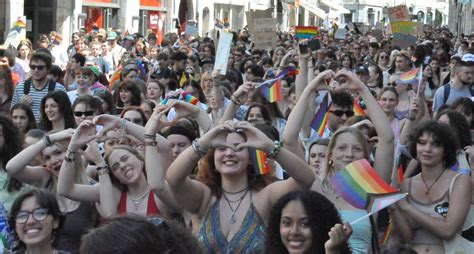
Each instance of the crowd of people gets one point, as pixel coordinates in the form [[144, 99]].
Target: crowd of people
[[118, 144]]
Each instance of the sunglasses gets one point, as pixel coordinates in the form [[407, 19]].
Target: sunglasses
[[85, 113], [37, 67], [383, 57], [339, 113], [39, 214]]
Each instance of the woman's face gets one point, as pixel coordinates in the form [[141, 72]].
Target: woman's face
[[434, 65], [401, 63], [346, 62], [373, 75], [317, 154], [20, 119], [153, 52], [153, 91], [126, 96], [229, 160], [134, 116], [113, 139], [178, 143], [132, 75], [125, 166], [428, 152], [279, 55], [388, 101], [383, 58], [207, 84], [255, 114], [347, 149], [139, 46], [24, 51], [295, 228], [83, 81], [146, 109], [53, 158], [82, 112], [51, 109], [39, 225]]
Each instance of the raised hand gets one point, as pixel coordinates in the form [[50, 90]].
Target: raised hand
[[109, 122], [255, 137], [84, 133], [415, 111], [62, 135], [92, 153], [244, 90], [352, 82], [157, 119], [321, 81], [216, 137], [182, 108], [338, 235]]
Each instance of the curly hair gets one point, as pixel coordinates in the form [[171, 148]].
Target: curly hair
[[12, 146], [442, 134], [64, 107], [113, 179], [208, 174], [460, 126], [322, 216]]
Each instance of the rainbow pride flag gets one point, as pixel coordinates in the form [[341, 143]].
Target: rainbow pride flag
[[306, 32], [18, 25], [410, 77], [358, 111], [187, 97], [359, 185], [320, 119], [57, 39], [258, 159], [272, 93]]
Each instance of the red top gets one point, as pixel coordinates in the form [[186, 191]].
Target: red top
[[151, 210]]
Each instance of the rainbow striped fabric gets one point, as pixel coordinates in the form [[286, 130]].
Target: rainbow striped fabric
[[306, 32], [358, 111], [273, 92], [185, 96], [18, 25], [410, 77], [359, 185], [258, 158], [320, 119]]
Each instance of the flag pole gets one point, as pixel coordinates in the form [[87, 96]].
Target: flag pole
[[361, 218], [419, 82]]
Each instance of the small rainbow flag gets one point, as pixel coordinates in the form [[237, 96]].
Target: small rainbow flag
[[271, 92], [359, 185], [182, 80], [187, 97], [386, 234], [57, 39], [409, 77], [115, 76], [258, 158], [400, 177], [18, 25], [306, 32], [358, 111], [320, 119]]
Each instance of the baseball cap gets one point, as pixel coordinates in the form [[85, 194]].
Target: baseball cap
[[362, 70], [468, 57], [111, 36]]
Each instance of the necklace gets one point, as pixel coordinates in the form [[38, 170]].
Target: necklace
[[137, 201], [236, 192], [426, 185], [234, 210]]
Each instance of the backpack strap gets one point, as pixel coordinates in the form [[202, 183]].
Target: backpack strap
[[447, 90], [27, 87]]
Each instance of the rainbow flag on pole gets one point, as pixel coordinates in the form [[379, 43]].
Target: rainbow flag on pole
[[184, 96], [273, 92], [258, 158], [358, 111], [359, 185], [410, 77], [320, 119], [306, 32]]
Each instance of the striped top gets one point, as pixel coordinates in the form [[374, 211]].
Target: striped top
[[35, 94]]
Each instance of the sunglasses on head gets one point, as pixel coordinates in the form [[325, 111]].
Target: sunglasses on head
[[339, 113], [37, 67], [85, 113]]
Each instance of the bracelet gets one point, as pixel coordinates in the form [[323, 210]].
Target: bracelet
[[149, 136], [70, 156], [235, 100], [123, 123], [47, 141], [197, 148], [151, 143], [102, 170], [275, 150]]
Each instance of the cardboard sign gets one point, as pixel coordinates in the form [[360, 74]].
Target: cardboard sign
[[398, 13], [222, 53], [403, 27], [340, 34], [403, 40], [191, 30], [263, 26]]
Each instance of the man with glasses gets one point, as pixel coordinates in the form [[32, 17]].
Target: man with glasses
[[340, 110], [34, 89]]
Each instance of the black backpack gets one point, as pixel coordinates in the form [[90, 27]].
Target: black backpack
[[27, 86], [447, 90]]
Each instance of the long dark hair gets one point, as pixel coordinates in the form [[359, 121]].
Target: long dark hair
[[29, 114], [65, 109], [322, 215], [44, 199], [133, 88], [11, 147]]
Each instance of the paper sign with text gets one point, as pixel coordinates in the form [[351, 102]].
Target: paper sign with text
[[398, 13], [222, 53]]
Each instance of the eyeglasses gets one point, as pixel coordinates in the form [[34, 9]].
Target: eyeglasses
[[339, 113], [85, 113], [39, 214], [37, 67], [356, 48], [383, 57]]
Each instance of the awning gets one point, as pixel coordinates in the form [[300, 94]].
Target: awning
[[313, 9], [337, 7]]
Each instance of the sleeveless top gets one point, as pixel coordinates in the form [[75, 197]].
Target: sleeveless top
[[76, 224], [151, 210], [249, 239], [437, 209], [360, 240]]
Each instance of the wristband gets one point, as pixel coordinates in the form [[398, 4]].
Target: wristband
[[47, 141], [102, 170], [275, 150], [235, 100], [70, 156], [197, 148], [151, 143]]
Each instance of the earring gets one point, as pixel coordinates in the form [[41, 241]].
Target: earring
[[331, 163]]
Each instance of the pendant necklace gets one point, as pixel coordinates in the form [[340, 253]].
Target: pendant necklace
[[239, 200], [426, 185], [137, 201]]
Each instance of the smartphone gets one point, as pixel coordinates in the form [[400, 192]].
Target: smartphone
[[303, 48]]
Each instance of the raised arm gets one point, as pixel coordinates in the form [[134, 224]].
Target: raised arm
[[39, 176], [240, 95], [385, 146]]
